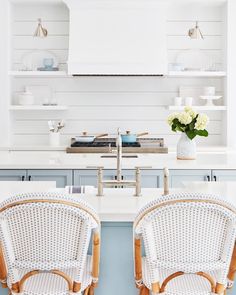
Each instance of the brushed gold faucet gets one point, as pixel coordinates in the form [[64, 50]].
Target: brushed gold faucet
[[119, 182]]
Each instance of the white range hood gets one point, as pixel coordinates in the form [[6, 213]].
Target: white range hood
[[117, 37]]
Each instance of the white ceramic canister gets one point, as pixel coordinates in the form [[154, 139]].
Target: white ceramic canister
[[54, 138], [188, 101], [26, 97], [178, 101]]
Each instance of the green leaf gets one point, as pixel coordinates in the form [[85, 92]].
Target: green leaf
[[191, 134], [202, 132]]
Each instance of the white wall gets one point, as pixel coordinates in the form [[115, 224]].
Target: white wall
[[101, 104], [4, 82]]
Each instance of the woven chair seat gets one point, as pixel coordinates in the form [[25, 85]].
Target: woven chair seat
[[51, 284], [188, 284]]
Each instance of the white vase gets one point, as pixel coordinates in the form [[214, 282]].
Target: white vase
[[186, 148]]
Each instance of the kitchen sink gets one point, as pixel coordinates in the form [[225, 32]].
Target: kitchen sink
[[123, 156]]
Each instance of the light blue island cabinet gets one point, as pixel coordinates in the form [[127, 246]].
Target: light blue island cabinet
[[116, 266], [149, 178]]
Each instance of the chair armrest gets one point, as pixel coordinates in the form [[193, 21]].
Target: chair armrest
[[138, 259], [138, 266], [3, 269], [96, 256]]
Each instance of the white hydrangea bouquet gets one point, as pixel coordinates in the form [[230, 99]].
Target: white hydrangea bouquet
[[189, 122]]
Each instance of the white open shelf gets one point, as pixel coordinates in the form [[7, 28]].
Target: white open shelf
[[39, 74], [197, 74], [37, 108], [199, 108], [64, 74]]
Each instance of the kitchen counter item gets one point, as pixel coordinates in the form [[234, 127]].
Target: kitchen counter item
[[131, 138], [107, 145], [88, 138], [54, 138], [209, 99], [33, 60], [26, 97]]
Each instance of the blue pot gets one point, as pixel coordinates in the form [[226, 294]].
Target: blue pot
[[131, 138]]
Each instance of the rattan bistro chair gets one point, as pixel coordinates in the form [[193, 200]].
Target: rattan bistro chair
[[44, 244], [189, 240]]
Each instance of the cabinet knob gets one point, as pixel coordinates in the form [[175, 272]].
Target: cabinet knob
[[29, 178], [215, 178], [22, 178]]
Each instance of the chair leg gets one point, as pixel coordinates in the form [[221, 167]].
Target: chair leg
[[144, 291], [232, 269], [86, 290], [220, 288], [91, 290]]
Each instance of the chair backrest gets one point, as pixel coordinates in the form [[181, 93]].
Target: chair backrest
[[46, 228], [187, 229]]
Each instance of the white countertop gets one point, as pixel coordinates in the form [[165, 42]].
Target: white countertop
[[61, 160], [119, 205]]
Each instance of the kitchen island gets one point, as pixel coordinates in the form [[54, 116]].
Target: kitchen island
[[117, 210], [80, 169]]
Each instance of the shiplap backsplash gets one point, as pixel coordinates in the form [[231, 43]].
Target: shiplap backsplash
[[101, 104]]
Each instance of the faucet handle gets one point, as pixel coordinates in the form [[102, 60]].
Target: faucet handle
[[166, 172], [166, 181]]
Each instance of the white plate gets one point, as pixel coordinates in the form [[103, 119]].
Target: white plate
[[210, 97], [195, 60], [33, 60]]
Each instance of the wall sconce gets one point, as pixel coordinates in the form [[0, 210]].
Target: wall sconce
[[40, 31], [195, 33]]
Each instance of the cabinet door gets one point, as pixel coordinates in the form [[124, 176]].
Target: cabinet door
[[224, 175], [62, 177], [12, 175], [178, 176], [149, 178], [89, 177]]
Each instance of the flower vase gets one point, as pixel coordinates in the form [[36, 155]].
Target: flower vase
[[186, 148]]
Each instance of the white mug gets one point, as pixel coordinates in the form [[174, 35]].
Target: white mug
[[178, 101], [188, 101]]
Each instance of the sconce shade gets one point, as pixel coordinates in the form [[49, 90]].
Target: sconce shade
[[40, 31], [195, 33]]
